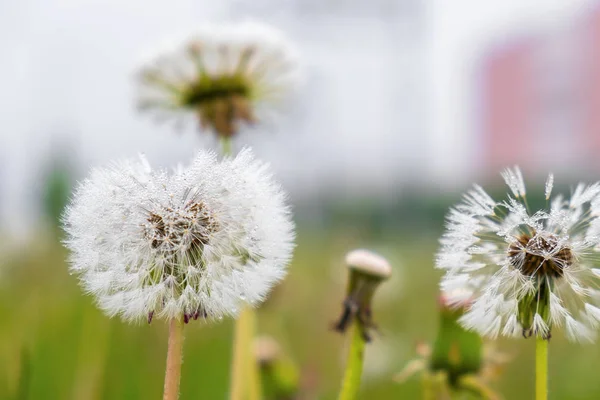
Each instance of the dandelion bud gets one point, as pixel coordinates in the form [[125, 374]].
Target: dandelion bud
[[266, 350], [279, 374], [366, 271], [458, 361], [456, 351]]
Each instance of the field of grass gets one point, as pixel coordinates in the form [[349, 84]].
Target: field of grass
[[54, 343]]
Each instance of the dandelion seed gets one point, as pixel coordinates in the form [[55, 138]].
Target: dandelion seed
[[528, 271], [514, 180], [549, 186], [197, 243], [224, 75]]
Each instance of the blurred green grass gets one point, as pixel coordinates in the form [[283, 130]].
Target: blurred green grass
[[52, 334]]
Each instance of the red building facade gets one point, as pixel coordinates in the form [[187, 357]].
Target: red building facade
[[540, 99]]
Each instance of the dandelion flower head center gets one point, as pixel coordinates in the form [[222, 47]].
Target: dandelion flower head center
[[187, 229], [210, 87], [179, 236], [221, 99], [540, 256]]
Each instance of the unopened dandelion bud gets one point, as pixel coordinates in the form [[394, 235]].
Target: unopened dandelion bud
[[456, 351], [458, 362], [279, 374], [456, 301], [266, 350], [366, 271]]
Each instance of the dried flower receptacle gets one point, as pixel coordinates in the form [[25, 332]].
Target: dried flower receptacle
[[367, 271]]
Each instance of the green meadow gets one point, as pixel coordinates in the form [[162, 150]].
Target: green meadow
[[54, 343]]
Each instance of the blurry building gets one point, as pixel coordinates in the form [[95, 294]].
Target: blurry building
[[539, 98]]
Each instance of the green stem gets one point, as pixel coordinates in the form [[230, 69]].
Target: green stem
[[473, 384], [174, 358], [541, 369], [226, 146], [354, 365], [253, 369], [427, 386], [245, 374], [24, 376], [244, 378]]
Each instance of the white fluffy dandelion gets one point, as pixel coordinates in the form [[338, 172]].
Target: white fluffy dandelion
[[527, 271], [223, 75], [200, 242]]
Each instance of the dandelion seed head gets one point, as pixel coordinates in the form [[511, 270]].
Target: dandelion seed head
[[226, 76], [529, 271], [199, 242]]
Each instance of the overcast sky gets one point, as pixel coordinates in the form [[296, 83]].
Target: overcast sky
[[65, 78]]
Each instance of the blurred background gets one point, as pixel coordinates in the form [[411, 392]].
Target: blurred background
[[405, 104]]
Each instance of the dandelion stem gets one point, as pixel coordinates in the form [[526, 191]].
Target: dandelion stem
[[245, 382], [254, 381], [427, 386], [541, 369], [354, 365], [475, 385], [245, 375], [174, 359], [226, 146]]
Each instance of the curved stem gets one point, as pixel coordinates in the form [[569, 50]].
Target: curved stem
[[473, 384], [174, 359], [354, 365], [541, 369]]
